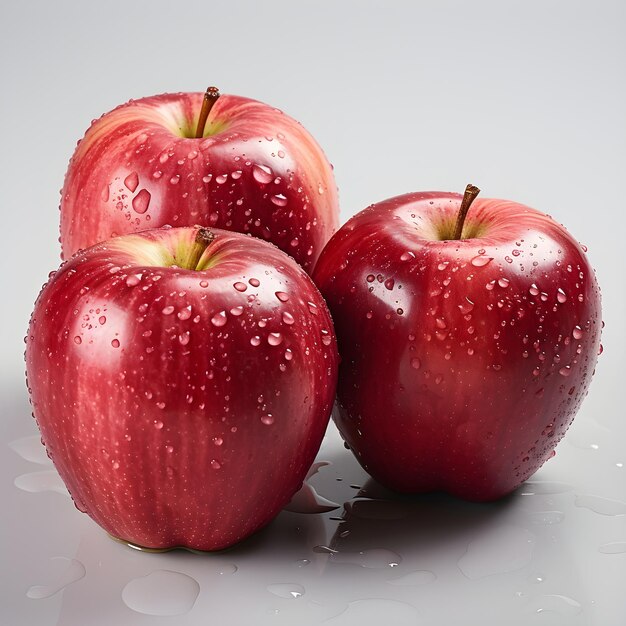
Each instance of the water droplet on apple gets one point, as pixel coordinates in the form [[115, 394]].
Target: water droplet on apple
[[236, 311], [407, 256], [168, 310], [389, 283], [219, 319], [115, 343], [132, 181], [415, 363], [133, 280], [255, 282], [282, 296], [215, 464], [268, 419], [565, 371], [174, 180], [184, 314], [262, 174], [240, 286], [288, 318], [274, 339], [158, 424], [503, 282], [466, 306], [221, 179], [183, 338], [560, 296], [255, 341], [279, 199], [141, 201], [481, 261], [78, 340], [577, 333], [288, 355], [326, 338]]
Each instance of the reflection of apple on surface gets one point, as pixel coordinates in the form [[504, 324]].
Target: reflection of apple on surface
[[182, 380], [220, 161], [468, 341]]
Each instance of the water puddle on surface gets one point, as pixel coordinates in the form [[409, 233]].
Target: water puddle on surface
[[376, 509], [307, 500], [603, 506], [373, 558], [374, 611], [504, 549], [546, 517], [290, 591], [39, 482], [563, 605], [162, 592], [31, 449], [615, 547], [542, 488], [74, 570], [418, 577]]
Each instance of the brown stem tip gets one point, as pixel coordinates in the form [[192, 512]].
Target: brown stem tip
[[469, 196], [204, 236], [210, 98]]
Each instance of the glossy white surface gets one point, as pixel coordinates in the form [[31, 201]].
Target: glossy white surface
[[525, 100]]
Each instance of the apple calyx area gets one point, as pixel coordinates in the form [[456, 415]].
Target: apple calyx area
[[471, 191], [210, 98]]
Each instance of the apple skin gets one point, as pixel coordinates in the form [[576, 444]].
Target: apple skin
[[255, 171], [462, 363], [181, 407]]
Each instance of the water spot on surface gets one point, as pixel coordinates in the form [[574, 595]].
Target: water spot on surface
[[291, 591], [162, 592], [73, 571], [38, 482], [504, 549], [603, 506]]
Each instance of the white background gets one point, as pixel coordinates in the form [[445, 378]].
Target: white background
[[524, 99]]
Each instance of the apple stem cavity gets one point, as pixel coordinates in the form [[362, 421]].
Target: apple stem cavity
[[471, 191], [203, 239], [210, 98]]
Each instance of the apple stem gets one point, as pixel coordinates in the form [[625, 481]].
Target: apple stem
[[201, 242], [469, 196], [210, 98]]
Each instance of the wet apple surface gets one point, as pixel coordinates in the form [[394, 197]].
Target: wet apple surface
[[252, 169], [464, 361], [182, 380]]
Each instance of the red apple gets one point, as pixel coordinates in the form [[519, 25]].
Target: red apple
[[182, 380], [253, 169], [464, 359]]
